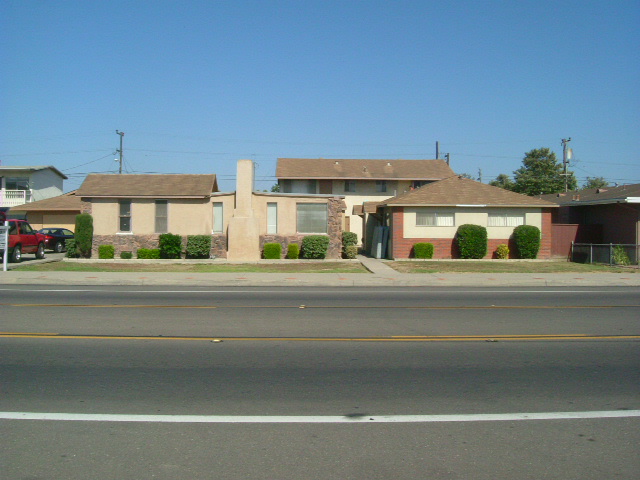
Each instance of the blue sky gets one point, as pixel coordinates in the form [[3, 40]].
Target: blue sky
[[197, 85]]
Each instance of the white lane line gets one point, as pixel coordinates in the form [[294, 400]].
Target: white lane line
[[482, 417]]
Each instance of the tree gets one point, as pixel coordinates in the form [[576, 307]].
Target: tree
[[503, 181], [466, 175], [595, 182], [541, 173], [275, 188]]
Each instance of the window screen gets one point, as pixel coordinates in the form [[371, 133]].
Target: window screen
[[312, 217]]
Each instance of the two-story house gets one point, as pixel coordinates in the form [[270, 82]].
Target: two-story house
[[21, 184], [358, 180]]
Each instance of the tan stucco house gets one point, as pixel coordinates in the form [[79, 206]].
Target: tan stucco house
[[57, 211], [358, 181], [433, 213], [131, 211]]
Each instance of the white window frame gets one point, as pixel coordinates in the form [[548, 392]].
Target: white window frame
[[122, 216], [435, 219], [160, 217], [272, 217], [218, 217], [300, 223], [506, 219]]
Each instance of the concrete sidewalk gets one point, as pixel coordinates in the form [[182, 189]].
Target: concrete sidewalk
[[381, 276]]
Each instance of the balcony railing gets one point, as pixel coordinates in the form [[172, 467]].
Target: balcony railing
[[13, 198]]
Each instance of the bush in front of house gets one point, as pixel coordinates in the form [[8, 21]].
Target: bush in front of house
[[84, 235], [527, 240], [170, 245], [350, 251], [502, 251], [293, 251], [106, 251], [620, 256], [126, 255], [70, 245], [349, 239], [272, 251], [198, 246], [149, 253], [423, 250], [315, 246], [472, 241]]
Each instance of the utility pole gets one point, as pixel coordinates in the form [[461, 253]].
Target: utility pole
[[446, 157], [480, 175], [120, 150], [567, 153]]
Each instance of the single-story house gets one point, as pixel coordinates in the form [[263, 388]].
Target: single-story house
[[130, 211], [57, 211], [433, 213]]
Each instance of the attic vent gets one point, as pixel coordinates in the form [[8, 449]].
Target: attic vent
[[576, 197], [600, 190], [364, 169], [388, 164], [337, 162]]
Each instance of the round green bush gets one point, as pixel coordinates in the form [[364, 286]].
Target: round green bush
[[472, 241], [106, 251], [272, 251], [527, 240], [315, 246], [502, 251]]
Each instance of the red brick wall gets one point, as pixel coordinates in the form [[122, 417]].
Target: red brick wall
[[447, 248]]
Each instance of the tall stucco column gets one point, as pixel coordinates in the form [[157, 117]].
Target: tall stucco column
[[243, 231]]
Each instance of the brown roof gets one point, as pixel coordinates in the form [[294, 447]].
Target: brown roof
[[595, 196], [67, 202], [459, 191], [325, 168], [146, 185]]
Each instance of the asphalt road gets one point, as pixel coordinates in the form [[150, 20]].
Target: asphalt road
[[313, 383]]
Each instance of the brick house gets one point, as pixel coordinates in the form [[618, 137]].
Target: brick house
[[433, 213]]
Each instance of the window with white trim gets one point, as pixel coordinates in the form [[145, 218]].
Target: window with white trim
[[162, 210], [217, 217], [124, 216], [505, 220], [272, 217], [381, 185], [312, 217], [434, 219]]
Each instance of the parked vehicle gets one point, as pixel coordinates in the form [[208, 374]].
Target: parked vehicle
[[55, 238], [23, 239]]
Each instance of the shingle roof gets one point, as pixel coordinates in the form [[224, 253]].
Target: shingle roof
[[146, 185], [594, 196], [458, 191], [67, 202], [325, 168]]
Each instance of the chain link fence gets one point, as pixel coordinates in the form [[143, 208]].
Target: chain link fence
[[608, 253]]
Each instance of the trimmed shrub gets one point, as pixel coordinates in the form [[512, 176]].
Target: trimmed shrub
[[293, 251], [198, 246], [149, 253], [126, 255], [350, 251], [272, 251], [170, 245], [106, 251], [315, 246], [527, 240], [472, 241], [84, 235], [349, 239], [423, 250], [71, 248], [502, 251]]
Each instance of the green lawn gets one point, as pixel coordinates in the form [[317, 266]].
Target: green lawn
[[505, 267], [321, 267]]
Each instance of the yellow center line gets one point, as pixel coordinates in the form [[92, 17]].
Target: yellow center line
[[426, 338]]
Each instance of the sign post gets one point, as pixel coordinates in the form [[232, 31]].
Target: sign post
[[4, 244]]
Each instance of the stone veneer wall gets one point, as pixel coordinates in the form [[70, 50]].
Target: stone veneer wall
[[335, 213], [131, 243]]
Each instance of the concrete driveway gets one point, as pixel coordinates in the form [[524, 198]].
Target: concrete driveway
[[30, 259]]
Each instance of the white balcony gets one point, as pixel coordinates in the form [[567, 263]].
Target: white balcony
[[13, 198]]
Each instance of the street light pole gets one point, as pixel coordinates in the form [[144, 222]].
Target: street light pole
[[120, 150]]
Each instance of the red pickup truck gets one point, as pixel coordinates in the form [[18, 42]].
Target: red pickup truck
[[23, 239]]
